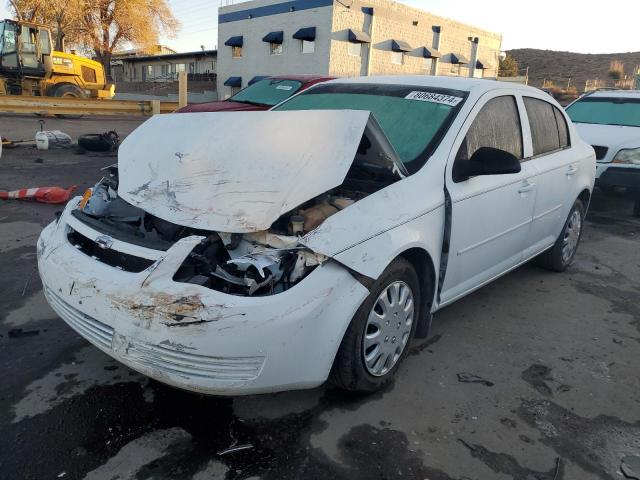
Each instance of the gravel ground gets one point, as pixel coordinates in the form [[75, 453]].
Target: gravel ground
[[534, 376]]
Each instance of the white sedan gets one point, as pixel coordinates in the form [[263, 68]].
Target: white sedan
[[237, 253], [610, 121]]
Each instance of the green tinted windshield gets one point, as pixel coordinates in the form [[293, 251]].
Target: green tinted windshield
[[606, 111], [267, 92], [413, 118]]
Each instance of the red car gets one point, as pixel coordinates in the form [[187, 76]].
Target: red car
[[260, 95]]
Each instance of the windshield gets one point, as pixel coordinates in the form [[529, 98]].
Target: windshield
[[606, 111], [413, 118], [267, 92]]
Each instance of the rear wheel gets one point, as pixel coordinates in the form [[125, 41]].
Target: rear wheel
[[560, 256], [380, 332]]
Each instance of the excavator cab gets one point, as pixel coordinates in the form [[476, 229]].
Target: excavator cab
[[25, 51]]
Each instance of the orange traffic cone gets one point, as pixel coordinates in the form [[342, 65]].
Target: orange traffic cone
[[41, 194]]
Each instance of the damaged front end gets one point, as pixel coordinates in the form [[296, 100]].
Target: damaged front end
[[255, 248]]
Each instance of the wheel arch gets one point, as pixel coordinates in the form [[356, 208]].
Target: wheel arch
[[585, 197], [423, 264]]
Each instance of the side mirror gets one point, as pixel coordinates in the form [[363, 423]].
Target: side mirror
[[486, 161]]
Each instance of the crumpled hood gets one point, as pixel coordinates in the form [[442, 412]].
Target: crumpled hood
[[613, 137], [236, 172]]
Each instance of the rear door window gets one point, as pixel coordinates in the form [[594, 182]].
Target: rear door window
[[496, 126], [543, 120]]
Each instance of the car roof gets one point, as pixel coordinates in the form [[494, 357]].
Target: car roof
[[475, 85], [615, 93]]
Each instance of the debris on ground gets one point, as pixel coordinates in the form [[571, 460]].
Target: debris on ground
[[471, 378], [100, 142], [238, 448], [48, 139], [19, 332], [53, 195]]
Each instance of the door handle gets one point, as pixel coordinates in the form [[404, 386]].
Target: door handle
[[526, 187], [571, 171]]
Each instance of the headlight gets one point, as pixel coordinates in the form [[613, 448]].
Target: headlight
[[629, 156]]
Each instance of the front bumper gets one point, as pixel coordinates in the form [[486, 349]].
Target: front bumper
[[192, 337], [618, 176]]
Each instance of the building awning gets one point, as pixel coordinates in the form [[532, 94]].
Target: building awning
[[358, 36], [429, 52], [235, 41], [400, 46], [458, 59], [257, 78], [307, 33], [233, 82], [274, 37], [483, 64]]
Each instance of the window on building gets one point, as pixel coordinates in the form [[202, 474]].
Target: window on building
[[164, 70], [308, 46], [546, 132], [149, 71], [496, 126], [180, 67], [397, 58], [236, 52], [192, 67], [355, 49], [275, 48], [428, 64], [235, 90]]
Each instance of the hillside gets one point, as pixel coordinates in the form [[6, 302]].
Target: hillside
[[560, 66]]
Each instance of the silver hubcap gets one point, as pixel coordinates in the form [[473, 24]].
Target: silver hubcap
[[571, 236], [388, 328]]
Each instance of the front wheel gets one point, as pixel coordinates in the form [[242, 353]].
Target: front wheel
[[68, 90], [560, 256], [380, 332]]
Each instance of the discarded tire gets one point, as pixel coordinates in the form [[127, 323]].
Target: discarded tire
[[99, 142]]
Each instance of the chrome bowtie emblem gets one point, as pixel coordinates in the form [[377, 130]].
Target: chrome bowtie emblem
[[105, 242]]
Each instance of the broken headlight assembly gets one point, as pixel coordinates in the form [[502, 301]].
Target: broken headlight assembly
[[238, 265]]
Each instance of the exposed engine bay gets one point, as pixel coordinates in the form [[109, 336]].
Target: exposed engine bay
[[259, 263]]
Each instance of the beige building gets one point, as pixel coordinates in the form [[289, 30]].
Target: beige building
[[346, 38], [200, 65]]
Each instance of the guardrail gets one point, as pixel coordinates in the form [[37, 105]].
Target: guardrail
[[82, 106]]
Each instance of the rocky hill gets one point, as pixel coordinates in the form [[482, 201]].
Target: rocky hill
[[562, 66]]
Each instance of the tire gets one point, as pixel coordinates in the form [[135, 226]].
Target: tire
[[99, 142], [350, 369], [561, 255], [67, 90]]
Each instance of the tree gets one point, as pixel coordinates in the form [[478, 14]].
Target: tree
[[102, 26], [509, 67]]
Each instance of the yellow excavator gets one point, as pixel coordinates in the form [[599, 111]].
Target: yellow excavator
[[30, 66]]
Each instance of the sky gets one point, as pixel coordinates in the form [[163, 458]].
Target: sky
[[570, 25]]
